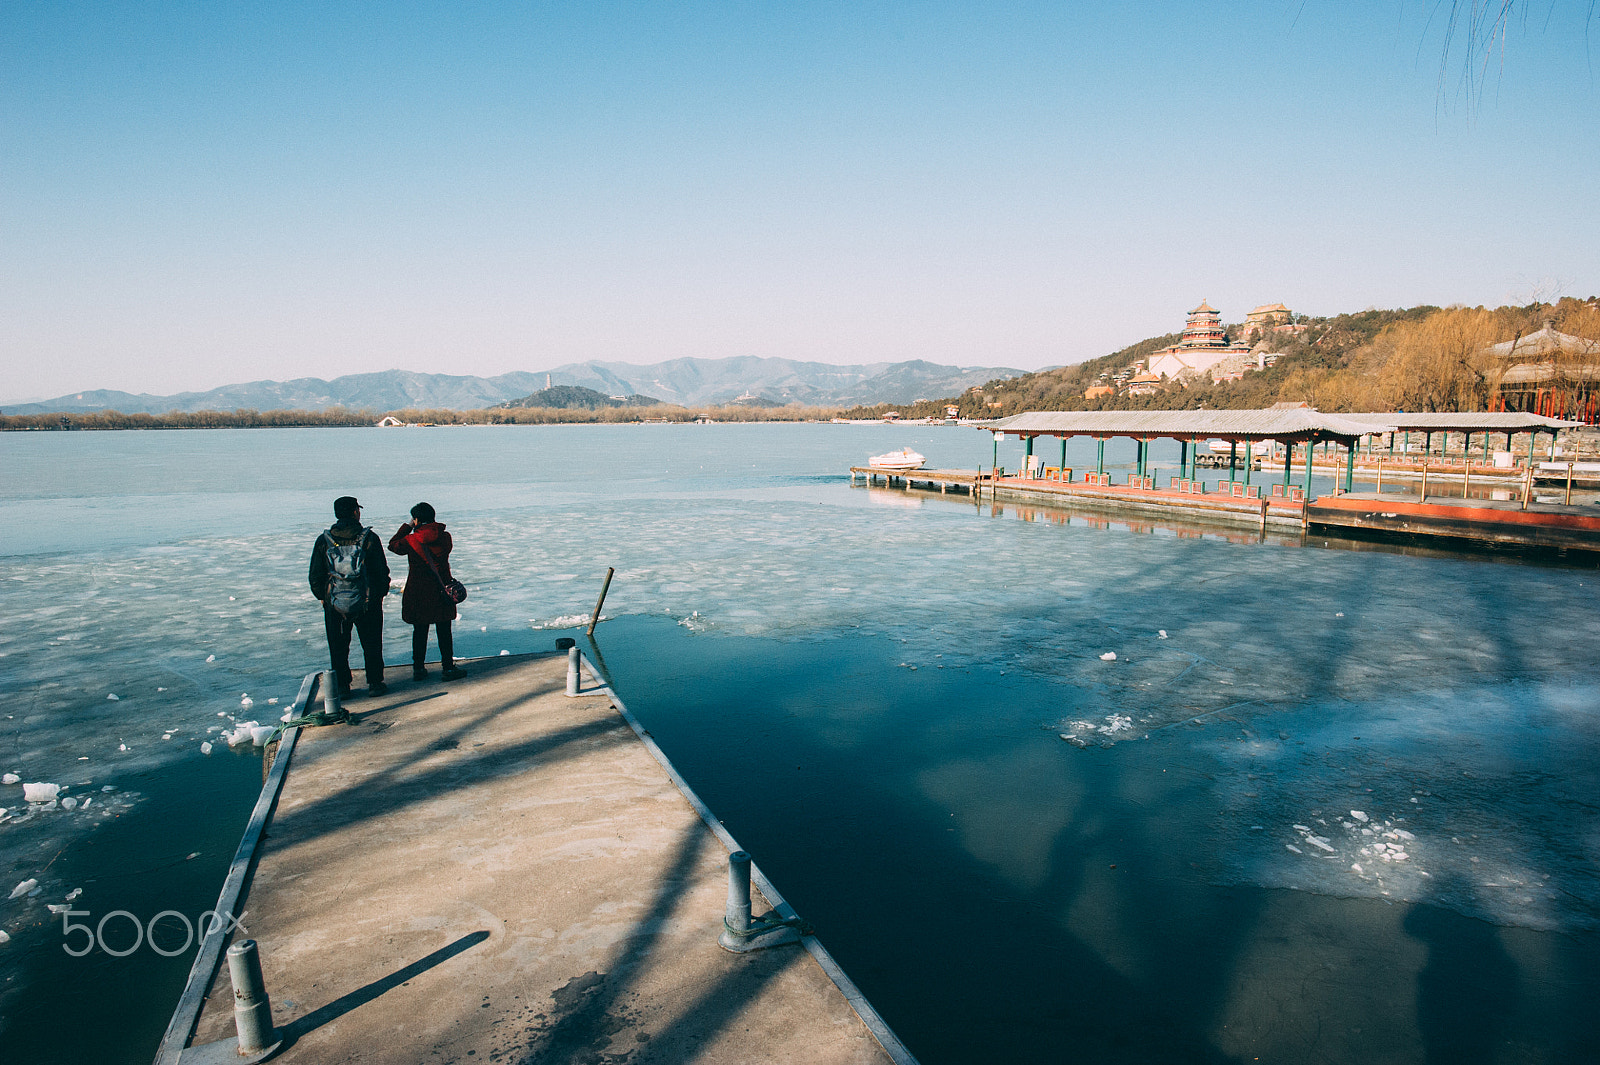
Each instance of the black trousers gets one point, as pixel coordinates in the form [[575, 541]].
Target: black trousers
[[368, 627], [419, 644]]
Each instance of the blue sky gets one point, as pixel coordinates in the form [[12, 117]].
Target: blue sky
[[196, 194]]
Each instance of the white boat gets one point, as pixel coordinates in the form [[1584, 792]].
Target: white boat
[[1261, 448], [904, 459]]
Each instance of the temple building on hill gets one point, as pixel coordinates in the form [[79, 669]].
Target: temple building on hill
[[1204, 345]]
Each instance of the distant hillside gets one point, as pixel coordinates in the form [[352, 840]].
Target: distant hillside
[[687, 382], [1416, 358], [574, 397]]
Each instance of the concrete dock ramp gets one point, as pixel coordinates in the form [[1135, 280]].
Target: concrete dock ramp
[[488, 870]]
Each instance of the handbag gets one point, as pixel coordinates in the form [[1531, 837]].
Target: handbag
[[454, 590]]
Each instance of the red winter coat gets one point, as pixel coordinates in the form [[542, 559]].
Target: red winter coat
[[424, 602]]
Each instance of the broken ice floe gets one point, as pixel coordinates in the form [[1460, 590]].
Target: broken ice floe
[[113, 697], [205, 748], [74, 893], [1359, 816], [40, 792], [4, 938], [211, 658], [1161, 634], [10, 778], [23, 888], [69, 804], [246, 702], [1109, 656]]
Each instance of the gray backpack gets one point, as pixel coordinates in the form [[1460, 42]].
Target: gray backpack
[[347, 575]]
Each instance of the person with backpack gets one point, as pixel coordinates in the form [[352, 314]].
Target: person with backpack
[[431, 594], [350, 575]]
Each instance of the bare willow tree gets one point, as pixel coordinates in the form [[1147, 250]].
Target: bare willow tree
[[1476, 33], [1438, 364]]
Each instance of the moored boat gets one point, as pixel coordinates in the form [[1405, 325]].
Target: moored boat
[[904, 459]]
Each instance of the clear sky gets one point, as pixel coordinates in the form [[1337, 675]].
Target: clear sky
[[193, 194]]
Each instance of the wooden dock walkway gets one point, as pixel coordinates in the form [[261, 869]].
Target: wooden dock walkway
[[1229, 502], [489, 870], [1489, 522]]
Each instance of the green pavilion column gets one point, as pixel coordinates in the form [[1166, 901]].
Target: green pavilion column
[[1233, 459], [1100, 455], [1288, 460], [1064, 460], [1350, 468], [1027, 456], [1249, 461], [1310, 449], [1183, 458], [1391, 445], [995, 465], [1488, 441]]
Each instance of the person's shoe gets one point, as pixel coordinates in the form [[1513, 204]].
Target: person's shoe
[[377, 688], [453, 673], [418, 673]]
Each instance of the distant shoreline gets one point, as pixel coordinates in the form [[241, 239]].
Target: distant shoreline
[[339, 418]]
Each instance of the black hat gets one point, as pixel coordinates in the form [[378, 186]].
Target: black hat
[[345, 507]]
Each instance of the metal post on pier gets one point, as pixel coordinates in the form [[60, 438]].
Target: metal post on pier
[[569, 645], [1569, 484], [1424, 480], [742, 933]]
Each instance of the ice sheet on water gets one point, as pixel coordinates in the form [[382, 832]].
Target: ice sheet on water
[[24, 888]]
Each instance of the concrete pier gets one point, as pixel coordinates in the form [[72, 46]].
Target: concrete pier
[[488, 870]]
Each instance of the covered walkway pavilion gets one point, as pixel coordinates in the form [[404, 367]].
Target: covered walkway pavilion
[[1487, 424], [1302, 426]]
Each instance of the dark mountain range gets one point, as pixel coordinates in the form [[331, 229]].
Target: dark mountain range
[[690, 382]]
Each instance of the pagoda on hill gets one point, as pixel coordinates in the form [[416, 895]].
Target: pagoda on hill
[[1204, 329], [1203, 345]]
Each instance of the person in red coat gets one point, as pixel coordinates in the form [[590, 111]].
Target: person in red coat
[[424, 602]]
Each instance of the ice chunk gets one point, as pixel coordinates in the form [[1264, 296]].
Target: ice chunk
[[107, 788], [58, 907], [1338, 615], [1358, 815], [122, 746], [1355, 867], [1319, 841], [74, 893], [1301, 828], [211, 658], [1161, 634], [504, 651], [246, 703], [205, 748], [41, 792], [483, 628], [273, 701], [23, 888], [261, 734], [1109, 656], [1292, 847], [113, 697], [86, 803], [10, 778], [1403, 834], [69, 804]]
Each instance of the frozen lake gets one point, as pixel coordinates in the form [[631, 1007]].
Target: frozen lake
[[1324, 804]]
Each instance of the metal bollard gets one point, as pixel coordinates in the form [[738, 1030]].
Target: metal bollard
[[737, 915], [252, 1010], [332, 710], [742, 933], [570, 646]]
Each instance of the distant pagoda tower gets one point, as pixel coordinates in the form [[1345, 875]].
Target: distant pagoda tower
[[1204, 329]]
